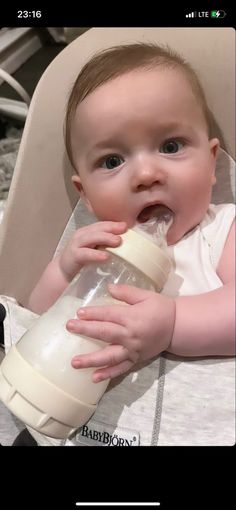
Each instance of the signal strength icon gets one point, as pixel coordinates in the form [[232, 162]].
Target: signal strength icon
[[190, 15]]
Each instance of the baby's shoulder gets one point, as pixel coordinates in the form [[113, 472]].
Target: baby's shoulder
[[215, 228], [217, 216], [219, 211]]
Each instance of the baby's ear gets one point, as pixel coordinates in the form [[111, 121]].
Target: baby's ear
[[214, 146], [78, 184]]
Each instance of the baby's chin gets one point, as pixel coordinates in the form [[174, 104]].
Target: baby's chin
[[172, 237], [177, 231]]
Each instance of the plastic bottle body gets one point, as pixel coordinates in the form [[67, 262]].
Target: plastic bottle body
[[37, 380], [49, 347]]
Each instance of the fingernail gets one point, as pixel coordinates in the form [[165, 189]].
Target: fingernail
[[76, 362], [81, 312], [70, 325], [97, 378]]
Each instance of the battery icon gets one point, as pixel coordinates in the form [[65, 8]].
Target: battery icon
[[218, 14]]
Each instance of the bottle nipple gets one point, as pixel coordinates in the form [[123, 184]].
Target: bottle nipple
[[148, 255], [155, 229]]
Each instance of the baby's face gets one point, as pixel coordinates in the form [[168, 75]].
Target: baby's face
[[140, 145]]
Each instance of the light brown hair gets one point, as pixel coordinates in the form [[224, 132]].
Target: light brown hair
[[117, 60]]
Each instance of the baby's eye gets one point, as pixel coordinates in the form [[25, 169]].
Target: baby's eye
[[112, 161], [171, 146]]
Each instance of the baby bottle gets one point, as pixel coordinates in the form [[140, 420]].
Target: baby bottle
[[37, 382]]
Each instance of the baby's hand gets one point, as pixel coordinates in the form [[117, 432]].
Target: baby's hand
[[136, 331], [81, 248]]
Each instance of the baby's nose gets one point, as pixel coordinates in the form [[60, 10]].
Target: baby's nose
[[148, 173]]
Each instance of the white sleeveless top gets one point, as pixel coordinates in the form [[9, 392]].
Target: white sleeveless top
[[171, 400], [196, 256]]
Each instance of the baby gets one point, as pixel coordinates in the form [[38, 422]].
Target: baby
[[139, 138]]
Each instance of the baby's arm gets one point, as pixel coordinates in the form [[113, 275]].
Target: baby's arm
[[80, 250], [205, 324], [49, 287]]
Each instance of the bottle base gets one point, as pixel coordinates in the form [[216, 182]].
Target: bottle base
[[38, 402]]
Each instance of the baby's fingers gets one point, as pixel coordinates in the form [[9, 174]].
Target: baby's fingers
[[110, 372], [87, 255], [115, 227], [100, 232], [100, 330], [91, 239], [109, 356]]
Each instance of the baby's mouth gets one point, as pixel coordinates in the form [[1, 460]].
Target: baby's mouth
[[158, 211]]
